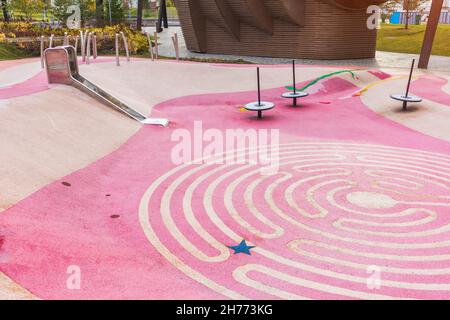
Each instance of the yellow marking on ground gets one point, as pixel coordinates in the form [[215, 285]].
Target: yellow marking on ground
[[360, 92]]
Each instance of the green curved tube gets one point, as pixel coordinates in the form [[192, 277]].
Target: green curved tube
[[321, 78]]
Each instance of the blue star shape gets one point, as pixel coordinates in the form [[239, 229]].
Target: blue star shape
[[242, 248]]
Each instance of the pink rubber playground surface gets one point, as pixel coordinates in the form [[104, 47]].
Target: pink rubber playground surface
[[356, 196]]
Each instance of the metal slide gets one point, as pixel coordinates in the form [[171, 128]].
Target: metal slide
[[62, 67]]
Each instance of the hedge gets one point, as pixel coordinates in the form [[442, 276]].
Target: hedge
[[137, 41]]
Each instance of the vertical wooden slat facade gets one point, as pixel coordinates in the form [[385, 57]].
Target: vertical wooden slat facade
[[313, 29]]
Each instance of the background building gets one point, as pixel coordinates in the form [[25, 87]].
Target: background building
[[420, 15]]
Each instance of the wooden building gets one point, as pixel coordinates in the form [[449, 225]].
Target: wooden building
[[313, 29]]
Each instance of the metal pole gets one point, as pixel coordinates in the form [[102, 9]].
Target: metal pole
[[430, 33], [117, 50], [42, 52], [259, 86], [85, 40], [295, 89], [259, 93], [150, 46], [405, 103], [51, 41], [125, 43], [76, 44], [156, 45], [410, 77], [178, 46], [88, 49], [94, 46], [82, 46], [175, 45], [293, 73]]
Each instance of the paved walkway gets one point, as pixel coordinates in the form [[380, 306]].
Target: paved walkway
[[383, 59]]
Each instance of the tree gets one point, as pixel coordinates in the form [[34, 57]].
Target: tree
[[114, 10], [47, 8], [99, 12], [59, 9], [388, 8], [27, 7], [117, 11], [87, 8], [4, 5], [411, 5], [408, 5], [139, 15]]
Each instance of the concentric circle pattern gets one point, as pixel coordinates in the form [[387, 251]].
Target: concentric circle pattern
[[331, 215]]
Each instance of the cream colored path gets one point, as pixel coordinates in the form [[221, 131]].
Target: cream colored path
[[51, 134], [9, 290], [446, 88], [428, 117], [143, 84], [19, 73], [15, 72]]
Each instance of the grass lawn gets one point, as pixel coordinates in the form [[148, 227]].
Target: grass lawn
[[10, 52], [395, 38]]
